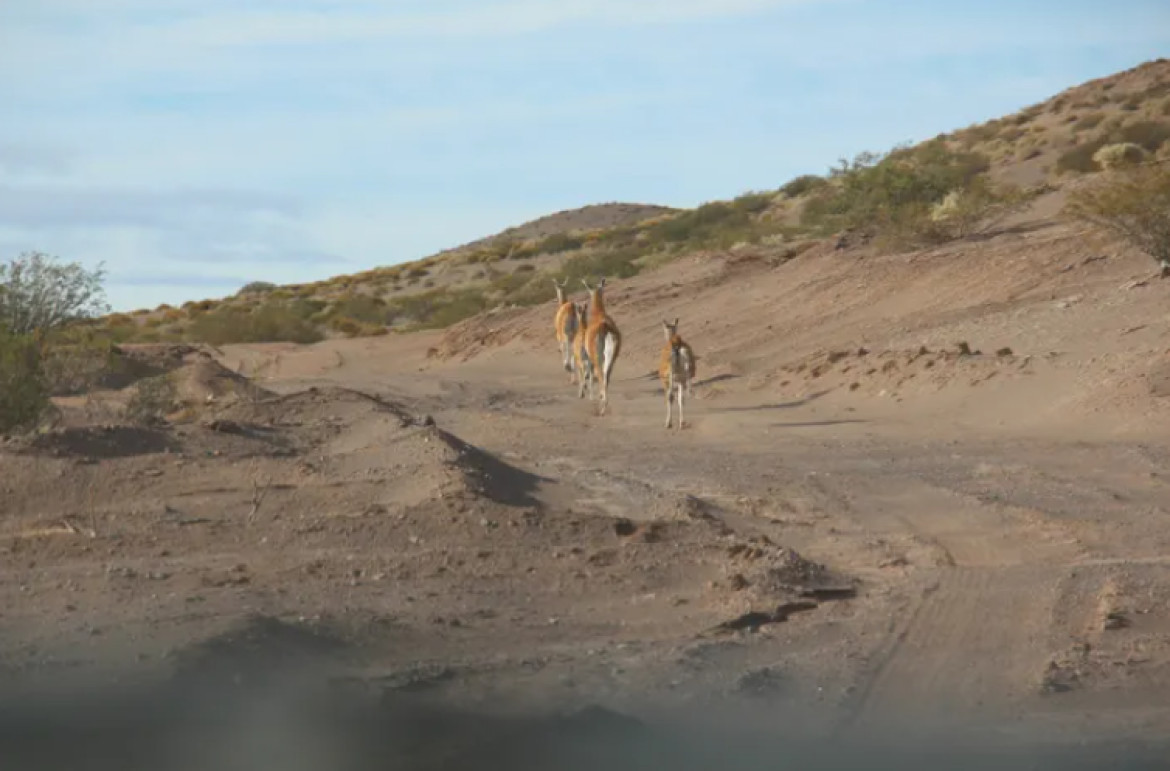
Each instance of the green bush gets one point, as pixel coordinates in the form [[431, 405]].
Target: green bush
[[892, 196], [351, 327], [712, 224], [559, 242], [361, 307], [1133, 204], [76, 359], [752, 203], [39, 292], [271, 321], [806, 183], [24, 392], [438, 308], [614, 263], [152, 400]]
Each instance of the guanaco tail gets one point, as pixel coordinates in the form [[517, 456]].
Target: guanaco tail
[[676, 370], [566, 326], [603, 342]]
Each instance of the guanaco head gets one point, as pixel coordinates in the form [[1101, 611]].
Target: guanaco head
[[596, 301], [560, 287], [670, 330]]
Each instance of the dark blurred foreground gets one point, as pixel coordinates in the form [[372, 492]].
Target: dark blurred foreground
[[262, 700], [182, 727]]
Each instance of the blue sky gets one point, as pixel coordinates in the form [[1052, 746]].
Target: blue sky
[[195, 145]]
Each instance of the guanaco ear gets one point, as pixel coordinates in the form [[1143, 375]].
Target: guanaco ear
[[676, 322], [586, 283], [601, 283]]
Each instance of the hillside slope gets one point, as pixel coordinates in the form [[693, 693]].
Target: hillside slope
[[1040, 148]]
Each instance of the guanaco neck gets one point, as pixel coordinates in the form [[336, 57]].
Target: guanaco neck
[[596, 305]]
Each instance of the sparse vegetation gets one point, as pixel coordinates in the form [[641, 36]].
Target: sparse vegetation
[[1150, 135], [24, 392], [1119, 155], [77, 358], [270, 321], [901, 198], [1089, 121], [1079, 159], [39, 292], [437, 308], [803, 185], [152, 400], [1133, 204]]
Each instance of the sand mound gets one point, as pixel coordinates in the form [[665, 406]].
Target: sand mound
[[202, 380], [770, 572], [472, 336]]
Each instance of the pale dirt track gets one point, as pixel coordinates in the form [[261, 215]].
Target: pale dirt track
[[1002, 519]]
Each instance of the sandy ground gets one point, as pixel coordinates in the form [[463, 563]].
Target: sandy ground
[[860, 524]]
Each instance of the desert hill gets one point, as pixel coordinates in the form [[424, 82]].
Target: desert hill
[[1041, 147]]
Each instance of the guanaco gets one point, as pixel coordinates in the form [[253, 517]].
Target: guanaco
[[565, 324], [603, 341], [676, 369]]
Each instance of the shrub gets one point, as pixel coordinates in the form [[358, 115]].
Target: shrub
[[558, 242], [1119, 155], [119, 320], [752, 203], [76, 359], [806, 183], [271, 321], [152, 400], [438, 308], [24, 393], [1133, 204], [1148, 134], [38, 292], [361, 307], [613, 263], [351, 327], [1080, 157], [1089, 121], [969, 210], [892, 196], [714, 223]]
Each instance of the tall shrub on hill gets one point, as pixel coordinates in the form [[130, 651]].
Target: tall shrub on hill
[[908, 197], [1133, 204]]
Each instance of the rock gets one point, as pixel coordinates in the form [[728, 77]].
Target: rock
[[1116, 620]]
